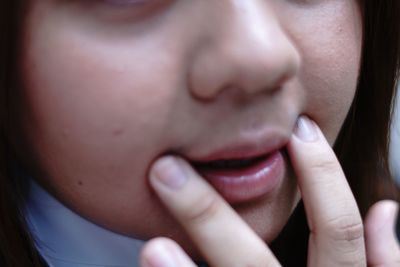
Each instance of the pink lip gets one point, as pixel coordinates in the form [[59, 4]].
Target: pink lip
[[251, 147], [250, 183], [239, 185]]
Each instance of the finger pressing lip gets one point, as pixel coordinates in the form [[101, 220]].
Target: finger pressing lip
[[218, 231], [332, 212]]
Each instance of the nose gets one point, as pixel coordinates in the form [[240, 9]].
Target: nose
[[246, 49]]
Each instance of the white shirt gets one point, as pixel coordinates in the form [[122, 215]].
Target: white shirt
[[65, 239]]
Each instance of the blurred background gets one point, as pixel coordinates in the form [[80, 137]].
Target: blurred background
[[395, 142], [395, 149]]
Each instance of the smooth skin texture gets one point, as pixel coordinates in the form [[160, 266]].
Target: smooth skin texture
[[109, 86], [336, 227]]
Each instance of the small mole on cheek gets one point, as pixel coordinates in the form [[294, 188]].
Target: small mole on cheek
[[118, 132], [80, 183]]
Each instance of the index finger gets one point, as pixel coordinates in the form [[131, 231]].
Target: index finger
[[332, 212], [218, 231]]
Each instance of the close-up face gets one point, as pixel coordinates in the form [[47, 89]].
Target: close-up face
[[110, 85]]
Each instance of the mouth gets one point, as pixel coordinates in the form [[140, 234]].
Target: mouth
[[247, 178], [228, 164]]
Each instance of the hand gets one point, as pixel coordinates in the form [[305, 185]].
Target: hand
[[336, 236], [381, 241]]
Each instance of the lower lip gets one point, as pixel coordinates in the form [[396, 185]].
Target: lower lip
[[248, 184]]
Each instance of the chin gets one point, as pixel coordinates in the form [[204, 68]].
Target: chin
[[267, 218]]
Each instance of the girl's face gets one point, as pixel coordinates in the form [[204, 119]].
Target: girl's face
[[110, 85]]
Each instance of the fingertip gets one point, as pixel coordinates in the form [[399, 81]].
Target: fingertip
[[382, 215], [381, 242], [163, 252], [156, 253], [167, 172], [307, 138], [310, 152], [306, 130]]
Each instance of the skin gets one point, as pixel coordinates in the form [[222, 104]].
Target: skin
[[337, 235], [110, 87]]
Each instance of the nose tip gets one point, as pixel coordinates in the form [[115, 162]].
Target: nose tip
[[251, 53]]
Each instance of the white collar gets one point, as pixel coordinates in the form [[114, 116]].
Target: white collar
[[64, 239]]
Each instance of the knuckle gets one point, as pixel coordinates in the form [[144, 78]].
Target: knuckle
[[207, 207], [347, 228], [325, 165]]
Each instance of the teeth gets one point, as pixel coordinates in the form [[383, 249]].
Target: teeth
[[227, 164]]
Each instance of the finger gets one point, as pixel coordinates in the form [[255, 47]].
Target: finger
[[381, 241], [332, 213], [220, 234], [164, 252]]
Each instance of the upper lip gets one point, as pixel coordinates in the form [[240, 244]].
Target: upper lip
[[250, 146]]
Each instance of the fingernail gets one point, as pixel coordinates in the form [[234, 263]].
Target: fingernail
[[305, 129], [161, 257], [168, 171]]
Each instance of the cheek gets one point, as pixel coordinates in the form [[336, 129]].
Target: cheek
[[331, 61], [96, 117], [331, 85], [91, 98], [83, 104]]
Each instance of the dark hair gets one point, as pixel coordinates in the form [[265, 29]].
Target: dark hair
[[16, 247], [362, 145]]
